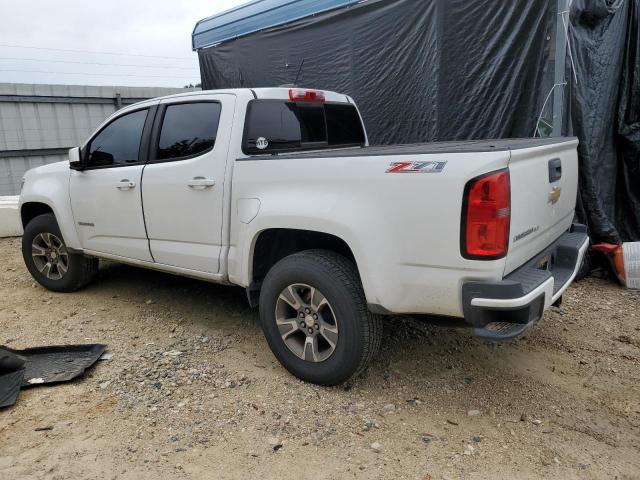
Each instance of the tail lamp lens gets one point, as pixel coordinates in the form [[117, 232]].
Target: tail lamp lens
[[485, 233]]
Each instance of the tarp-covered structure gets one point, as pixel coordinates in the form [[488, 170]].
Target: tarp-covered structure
[[431, 70], [605, 114]]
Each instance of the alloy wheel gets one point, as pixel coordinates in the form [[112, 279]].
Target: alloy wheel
[[306, 322], [50, 255]]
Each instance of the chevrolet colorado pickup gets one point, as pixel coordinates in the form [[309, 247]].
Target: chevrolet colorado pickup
[[277, 190]]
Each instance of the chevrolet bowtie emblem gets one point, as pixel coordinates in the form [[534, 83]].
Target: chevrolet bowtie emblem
[[554, 196]]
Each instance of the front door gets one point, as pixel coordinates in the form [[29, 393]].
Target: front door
[[105, 196], [183, 181]]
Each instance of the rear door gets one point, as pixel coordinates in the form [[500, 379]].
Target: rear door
[[183, 183], [544, 182]]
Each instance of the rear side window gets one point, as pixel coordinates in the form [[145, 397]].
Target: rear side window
[[343, 125], [188, 129], [282, 126], [119, 142]]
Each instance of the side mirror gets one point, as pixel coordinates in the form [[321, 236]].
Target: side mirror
[[75, 159]]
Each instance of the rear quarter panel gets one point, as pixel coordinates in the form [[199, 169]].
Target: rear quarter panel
[[403, 228]]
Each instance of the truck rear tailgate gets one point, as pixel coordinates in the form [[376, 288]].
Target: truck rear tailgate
[[544, 181]]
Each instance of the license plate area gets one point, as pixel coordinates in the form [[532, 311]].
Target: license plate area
[[546, 262]]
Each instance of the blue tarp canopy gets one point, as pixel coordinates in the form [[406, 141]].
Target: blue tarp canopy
[[258, 15]]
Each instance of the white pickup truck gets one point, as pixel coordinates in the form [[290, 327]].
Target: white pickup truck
[[276, 190]]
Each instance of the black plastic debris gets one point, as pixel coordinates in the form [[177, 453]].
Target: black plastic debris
[[11, 376], [58, 364], [43, 365]]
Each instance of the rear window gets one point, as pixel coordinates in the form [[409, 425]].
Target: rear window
[[281, 126]]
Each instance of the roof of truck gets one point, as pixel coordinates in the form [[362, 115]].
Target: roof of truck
[[258, 15], [276, 93]]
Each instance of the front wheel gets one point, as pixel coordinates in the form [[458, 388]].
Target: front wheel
[[49, 261], [315, 318]]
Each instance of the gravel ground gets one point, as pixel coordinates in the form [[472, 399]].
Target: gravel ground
[[193, 391]]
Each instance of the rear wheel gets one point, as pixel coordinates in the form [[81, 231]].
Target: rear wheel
[[315, 317], [49, 261]]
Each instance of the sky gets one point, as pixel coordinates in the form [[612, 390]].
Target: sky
[[141, 43]]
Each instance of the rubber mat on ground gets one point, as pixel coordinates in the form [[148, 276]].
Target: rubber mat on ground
[[43, 365], [58, 364], [11, 377]]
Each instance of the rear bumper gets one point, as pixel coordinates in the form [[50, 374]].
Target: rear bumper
[[505, 309]]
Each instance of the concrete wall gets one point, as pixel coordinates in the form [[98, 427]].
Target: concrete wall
[[10, 224], [39, 123]]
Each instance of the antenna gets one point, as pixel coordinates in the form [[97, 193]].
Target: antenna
[[295, 82]]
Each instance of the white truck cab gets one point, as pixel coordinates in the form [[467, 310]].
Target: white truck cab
[[277, 191]]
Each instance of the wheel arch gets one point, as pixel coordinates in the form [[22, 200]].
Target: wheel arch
[[30, 210], [273, 244], [49, 195]]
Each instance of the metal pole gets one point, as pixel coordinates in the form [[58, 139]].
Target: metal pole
[[559, 70]]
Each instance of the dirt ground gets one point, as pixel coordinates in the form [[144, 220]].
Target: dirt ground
[[193, 391]]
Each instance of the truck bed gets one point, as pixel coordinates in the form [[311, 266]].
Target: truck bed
[[464, 146]]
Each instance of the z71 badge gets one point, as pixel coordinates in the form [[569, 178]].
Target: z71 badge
[[416, 167]]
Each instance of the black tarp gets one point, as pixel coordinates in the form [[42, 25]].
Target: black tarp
[[420, 70], [605, 111], [431, 70]]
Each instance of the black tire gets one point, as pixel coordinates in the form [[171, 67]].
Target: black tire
[[337, 279], [80, 269]]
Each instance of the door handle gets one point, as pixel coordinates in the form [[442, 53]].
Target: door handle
[[200, 183], [125, 184]]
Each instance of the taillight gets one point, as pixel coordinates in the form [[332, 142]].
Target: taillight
[[486, 215], [301, 95]]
